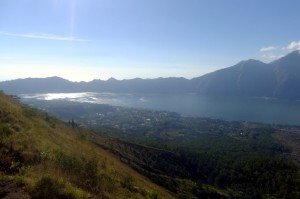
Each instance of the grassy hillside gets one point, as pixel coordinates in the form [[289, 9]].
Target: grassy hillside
[[41, 157]]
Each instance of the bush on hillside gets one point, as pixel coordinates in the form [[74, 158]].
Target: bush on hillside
[[4, 130], [84, 171], [30, 112], [50, 188], [153, 195], [127, 182]]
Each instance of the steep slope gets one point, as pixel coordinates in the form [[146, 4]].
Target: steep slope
[[247, 78], [45, 158], [287, 72]]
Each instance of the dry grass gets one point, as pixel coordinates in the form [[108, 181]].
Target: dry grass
[[38, 137]]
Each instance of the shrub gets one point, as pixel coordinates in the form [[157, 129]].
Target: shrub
[[4, 130], [153, 195], [30, 112], [143, 192], [84, 171], [50, 188], [127, 182], [89, 175], [108, 183], [45, 154]]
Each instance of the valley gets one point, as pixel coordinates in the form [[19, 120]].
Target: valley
[[131, 99], [190, 156]]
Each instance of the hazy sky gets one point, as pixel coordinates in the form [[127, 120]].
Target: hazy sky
[[92, 39]]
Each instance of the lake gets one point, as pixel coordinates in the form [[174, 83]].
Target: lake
[[264, 110]]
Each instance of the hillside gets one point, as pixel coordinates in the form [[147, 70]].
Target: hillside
[[247, 78], [287, 72], [251, 78], [42, 157]]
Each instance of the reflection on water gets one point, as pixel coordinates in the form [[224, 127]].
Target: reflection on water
[[55, 96], [264, 110]]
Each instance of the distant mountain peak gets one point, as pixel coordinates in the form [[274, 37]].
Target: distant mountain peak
[[251, 61], [55, 78], [293, 57], [294, 53], [246, 63], [112, 79]]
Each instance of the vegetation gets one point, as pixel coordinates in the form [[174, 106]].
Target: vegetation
[[4, 130], [153, 195], [189, 156], [47, 158], [192, 157], [188, 172], [49, 188], [85, 171]]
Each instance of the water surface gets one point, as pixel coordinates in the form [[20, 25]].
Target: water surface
[[263, 110]]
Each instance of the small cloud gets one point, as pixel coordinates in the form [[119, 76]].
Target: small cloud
[[271, 53], [42, 36], [267, 49], [294, 45], [271, 56]]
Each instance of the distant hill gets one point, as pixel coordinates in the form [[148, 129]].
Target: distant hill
[[278, 79], [57, 84], [38, 85]]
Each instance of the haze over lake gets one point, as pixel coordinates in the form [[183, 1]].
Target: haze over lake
[[264, 110]]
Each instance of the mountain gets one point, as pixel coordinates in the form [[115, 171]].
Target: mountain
[[42, 157], [287, 73], [138, 85], [38, 85], [251, 78], [278, 79], [247, 78], [57, 84]]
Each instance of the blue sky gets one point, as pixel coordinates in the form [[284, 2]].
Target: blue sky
[[92, 39]]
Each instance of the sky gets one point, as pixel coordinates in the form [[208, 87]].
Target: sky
[[81, 40]]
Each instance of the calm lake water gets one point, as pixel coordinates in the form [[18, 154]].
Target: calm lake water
[[263, 110]]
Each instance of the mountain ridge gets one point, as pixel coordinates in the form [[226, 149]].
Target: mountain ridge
[[250, 78]]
